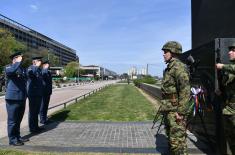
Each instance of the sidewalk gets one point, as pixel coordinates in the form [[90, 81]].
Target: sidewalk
[[59, 95], [130, 137]]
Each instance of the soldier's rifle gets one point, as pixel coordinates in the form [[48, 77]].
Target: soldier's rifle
[[158, 115]]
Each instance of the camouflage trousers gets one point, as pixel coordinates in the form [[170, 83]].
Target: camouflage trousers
[[176, 134], [229, 130]]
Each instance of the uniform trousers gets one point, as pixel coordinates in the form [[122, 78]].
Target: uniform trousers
[[229, 128], [15, 113], [44, 108], [34, 108], [176, 133]]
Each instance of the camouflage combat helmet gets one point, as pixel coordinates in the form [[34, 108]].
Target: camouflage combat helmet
[[173, 47], [232, 45]]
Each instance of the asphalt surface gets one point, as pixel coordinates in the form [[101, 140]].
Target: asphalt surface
[[58, 96]]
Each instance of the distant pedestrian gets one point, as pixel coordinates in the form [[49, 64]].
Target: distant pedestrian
[[175, 93], [229, 106], [35, 93], [15, 98], [47, 91]]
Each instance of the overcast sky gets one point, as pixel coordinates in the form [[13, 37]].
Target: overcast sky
[[115, 34]]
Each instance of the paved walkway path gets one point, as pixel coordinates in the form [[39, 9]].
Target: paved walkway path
[[130, 137], [58, 96]]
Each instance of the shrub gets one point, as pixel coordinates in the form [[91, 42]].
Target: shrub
[[146, 79]]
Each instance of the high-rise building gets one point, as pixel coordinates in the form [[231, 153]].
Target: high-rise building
[[143, 71], [132, 71], [34, 39]]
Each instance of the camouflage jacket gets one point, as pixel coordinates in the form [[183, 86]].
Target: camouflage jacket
[[175, 87], [229, 83]]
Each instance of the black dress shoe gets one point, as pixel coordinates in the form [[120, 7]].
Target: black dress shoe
[[45, 122], [23, 140], [17, 143]]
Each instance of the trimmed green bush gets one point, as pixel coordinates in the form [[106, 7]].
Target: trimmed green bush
[[147, 79]]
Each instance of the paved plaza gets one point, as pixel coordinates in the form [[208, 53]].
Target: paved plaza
[[58, 96], [129, 137]]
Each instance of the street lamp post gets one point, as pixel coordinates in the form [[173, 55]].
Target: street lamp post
[[78, 74], [147, 68]]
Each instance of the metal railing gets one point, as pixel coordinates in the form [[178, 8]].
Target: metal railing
[[76, 99]]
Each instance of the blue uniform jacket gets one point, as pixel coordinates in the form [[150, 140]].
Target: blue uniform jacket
[[16, 82], [34, 83], [47, 82]]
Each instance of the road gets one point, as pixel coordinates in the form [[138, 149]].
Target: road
[[59, 95]]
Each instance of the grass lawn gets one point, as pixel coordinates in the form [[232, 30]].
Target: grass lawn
[[113, 103]]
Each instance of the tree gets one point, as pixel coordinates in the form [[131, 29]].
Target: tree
[[8, 44], [81, 71], [124, 76], [54, 60], [71, 69], [40, 51]]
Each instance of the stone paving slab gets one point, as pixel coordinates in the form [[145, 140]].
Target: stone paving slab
[[130, 137]]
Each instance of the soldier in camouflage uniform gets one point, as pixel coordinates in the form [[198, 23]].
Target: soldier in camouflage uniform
[[229, 107], [175, 94]]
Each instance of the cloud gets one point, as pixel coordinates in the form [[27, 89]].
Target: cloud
[[34, 7]]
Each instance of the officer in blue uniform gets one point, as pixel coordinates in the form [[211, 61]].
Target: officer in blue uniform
[[47, 90], [34, 91], [15, 98]]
